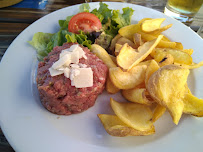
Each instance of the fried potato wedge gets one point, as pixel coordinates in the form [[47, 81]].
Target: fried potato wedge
[[192, 66], [124, 40], [137, 40], [137, 95], [126, 56], [144, 50], [158, 112], [103, 55], [179, 46], [113, 43], [127, 80], [113, 58], [162, 43], [129, 31], [168, 59], [153, 67], [142, 20], [179, 56], [117, 49], [193, 105], [161, 29], [167, 87], [110, 87], [151, 25], [115, 127], [134, 115], [189, 51]]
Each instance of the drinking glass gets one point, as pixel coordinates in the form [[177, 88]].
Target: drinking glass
[[183, 10]]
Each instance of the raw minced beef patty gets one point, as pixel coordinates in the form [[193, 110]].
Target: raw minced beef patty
[[56, 93]]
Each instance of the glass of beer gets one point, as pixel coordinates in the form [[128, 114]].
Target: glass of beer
[[183, 10]]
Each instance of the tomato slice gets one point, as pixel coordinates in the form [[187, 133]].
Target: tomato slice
[[84, 21]]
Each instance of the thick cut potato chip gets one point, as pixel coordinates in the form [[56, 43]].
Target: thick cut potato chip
[[144, 50], [192, 66], [117, 49], [167, 87], [127, 80], [151, 25], [193, 105], [134, 115], [113, 58], [129, 31], [189, 51], [126, 56], [158, 112], [137, 95], [153, 67], [168, 59], [161, 29], [110, 87], [162, 43], [103, 55], [142, 20], [179, 56], [179, 46], [115, 127], [124, 40], [137, 40], [113, 43]]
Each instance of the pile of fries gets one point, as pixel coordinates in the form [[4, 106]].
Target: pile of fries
[[151, 72]]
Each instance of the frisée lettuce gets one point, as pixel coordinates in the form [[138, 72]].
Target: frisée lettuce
[[112, 21]]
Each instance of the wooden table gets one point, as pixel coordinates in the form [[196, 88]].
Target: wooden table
[[14, 20]]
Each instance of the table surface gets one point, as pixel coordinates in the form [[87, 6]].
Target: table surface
[[14, 20]]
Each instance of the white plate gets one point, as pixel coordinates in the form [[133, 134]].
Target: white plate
[[30, 128]]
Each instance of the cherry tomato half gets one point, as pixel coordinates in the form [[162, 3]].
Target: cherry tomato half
[[84, 21]]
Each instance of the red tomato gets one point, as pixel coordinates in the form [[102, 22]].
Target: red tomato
[[84, 21]]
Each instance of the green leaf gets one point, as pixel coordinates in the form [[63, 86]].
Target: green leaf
[[98, 14], [105, 11], [122, 19], [84, 7]]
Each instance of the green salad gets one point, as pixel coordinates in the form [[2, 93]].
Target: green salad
[[98, 26]]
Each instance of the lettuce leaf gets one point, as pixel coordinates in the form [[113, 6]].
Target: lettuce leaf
[[81, 38], [45, 42], [84, 8], [122, 19]]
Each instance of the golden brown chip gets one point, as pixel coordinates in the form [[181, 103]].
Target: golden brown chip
[[113, 43], [115, 127], [103, 55], [193, 105], [117, 49], [124, 40], [137, 40], [179, 56], [167, 87], [153, 67], [137, 95], [158, 112], [126, 56], [144, 50], [110, 87], [127, 80], [134, 115], [152, 25]]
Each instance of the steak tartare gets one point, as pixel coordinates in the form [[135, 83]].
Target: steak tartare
[[56, 93]]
